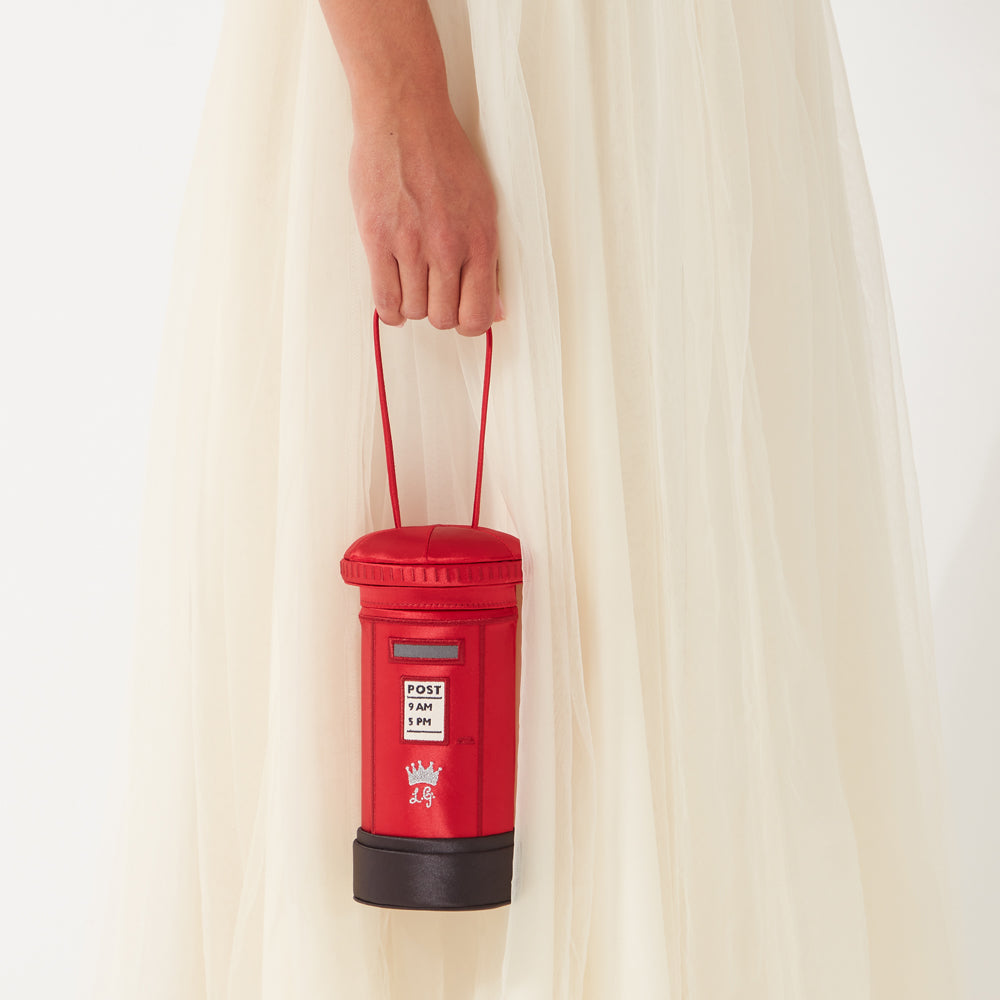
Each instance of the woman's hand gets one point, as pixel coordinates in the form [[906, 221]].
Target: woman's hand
[[426, 212], [423, 200]]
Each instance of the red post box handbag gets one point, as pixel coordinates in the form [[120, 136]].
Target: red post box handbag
[[438, 622]]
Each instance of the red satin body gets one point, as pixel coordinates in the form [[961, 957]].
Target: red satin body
[[454, 587]]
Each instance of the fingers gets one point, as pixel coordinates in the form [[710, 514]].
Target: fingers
[[477, 307], [413, 279], [443, 286], [386, 288], [399, 287], [465, 299]]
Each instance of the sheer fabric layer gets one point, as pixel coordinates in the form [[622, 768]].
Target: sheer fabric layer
[[728, 740]]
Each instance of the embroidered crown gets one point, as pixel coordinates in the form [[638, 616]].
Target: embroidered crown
[[418, 774]]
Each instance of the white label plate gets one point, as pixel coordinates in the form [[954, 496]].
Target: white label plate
[[424, 709]]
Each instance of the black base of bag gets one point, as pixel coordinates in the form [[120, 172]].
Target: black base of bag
[[412, 873]]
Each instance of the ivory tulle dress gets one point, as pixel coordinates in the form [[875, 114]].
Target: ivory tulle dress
[[729, 775]]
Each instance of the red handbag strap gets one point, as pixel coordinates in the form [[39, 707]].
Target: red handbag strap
[[390, 462]]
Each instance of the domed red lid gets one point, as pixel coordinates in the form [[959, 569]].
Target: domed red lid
[[433, 555]]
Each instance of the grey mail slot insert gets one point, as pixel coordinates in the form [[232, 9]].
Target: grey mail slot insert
[[425, 650]]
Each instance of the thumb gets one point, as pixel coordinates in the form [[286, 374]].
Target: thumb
[[500, 313]]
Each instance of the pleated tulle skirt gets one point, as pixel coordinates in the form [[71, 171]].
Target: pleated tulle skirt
[[729, 779]]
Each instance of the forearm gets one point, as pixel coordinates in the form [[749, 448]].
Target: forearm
[[390, 53]]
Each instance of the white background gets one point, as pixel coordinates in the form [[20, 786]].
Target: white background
[[99, 105]]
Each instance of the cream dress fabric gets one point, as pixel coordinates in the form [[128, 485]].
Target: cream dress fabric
[[729, 763]]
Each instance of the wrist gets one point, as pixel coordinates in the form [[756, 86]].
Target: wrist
[[380, 101], [391, 56], [406, 75]]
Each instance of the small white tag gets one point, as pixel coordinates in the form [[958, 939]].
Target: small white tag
[[424, 710]]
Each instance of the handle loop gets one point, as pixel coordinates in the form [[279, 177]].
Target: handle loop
[[390, 461]]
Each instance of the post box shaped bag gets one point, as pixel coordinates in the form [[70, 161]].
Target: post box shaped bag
[[438, 624]]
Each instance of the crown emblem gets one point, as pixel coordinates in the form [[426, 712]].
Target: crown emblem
[[420, 775]]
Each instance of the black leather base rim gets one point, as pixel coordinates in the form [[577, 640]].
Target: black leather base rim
[[409, 873]]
